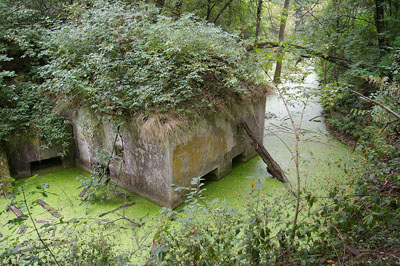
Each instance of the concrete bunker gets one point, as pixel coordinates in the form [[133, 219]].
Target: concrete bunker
[[149, 167], [46, 164], [145, 166], [27, 156]]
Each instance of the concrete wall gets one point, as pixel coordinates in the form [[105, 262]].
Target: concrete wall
[[141, 167], [212, 146], [4, 173], [23, 150], [149, 168]]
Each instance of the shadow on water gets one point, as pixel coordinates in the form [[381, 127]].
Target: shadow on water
[[212, 177]]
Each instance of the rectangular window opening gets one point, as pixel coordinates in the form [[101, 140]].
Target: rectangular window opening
[[46, 164], [238, 159], [209, 177]]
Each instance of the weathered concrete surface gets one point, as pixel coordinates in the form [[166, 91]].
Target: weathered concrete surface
[[141, 166], [24, 150], [149, 168], [211, 148], [4, 173]]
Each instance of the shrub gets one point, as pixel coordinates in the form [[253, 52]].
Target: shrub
[[120, 59]]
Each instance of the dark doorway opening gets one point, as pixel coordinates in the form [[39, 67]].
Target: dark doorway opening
[[46, 164], [209, 177], [238, 159]]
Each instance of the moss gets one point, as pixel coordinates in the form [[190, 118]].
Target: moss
[[5, 180]]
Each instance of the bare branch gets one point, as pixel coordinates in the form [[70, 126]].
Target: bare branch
[[377, 103], [222, 10]]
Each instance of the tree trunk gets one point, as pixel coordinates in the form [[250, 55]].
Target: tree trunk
[[222, 10], [278, 68], [258, 22], [178, 9], [160, 4], [272, 166], [380, 26], [209, 8]]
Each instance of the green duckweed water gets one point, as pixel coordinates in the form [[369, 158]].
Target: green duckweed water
[[318, 152]]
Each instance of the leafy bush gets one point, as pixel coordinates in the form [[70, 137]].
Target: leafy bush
[[80, 248], [345, 227], [23, 108], [120, 59]]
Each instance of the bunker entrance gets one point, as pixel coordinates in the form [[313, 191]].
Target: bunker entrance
[[238, 159], [209, 177], [46, 164]]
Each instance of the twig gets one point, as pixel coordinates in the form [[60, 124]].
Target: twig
[[377, 103], [48, 208], [387, 124], [17, 211], [70, 201], [37, 231], [222, 10], [315, 117], [116, 209], [85, 190]]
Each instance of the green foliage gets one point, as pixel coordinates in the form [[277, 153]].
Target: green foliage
[[23, 107], [345, 112], [196, 237], [77, 243], [98, 185], [78, 247], [362, 120], [94, 249], [344, 227], [123, 60]]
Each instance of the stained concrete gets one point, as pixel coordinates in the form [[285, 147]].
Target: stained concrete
[[150, 167], [4, 173], [23, 150]]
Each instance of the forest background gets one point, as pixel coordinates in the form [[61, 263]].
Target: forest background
[[355, 47]]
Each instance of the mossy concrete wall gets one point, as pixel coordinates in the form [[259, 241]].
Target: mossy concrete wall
[[23, 150], [150, 167], [211, 147], [4, 173]]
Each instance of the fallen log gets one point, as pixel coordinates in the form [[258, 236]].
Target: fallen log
[[83, 192], [17, 211], [48, 208], [22, 230], [42, 222], [116, 209], [272, 166]]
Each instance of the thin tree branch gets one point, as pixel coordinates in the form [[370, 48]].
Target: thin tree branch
[[377, 103], [222, 10], [37, 231]]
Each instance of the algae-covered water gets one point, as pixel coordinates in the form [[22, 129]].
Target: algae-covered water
[[318, 152]]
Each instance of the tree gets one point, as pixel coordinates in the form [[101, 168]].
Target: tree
[[380, 26], [284, 17], [222, 10], [258, 20]]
